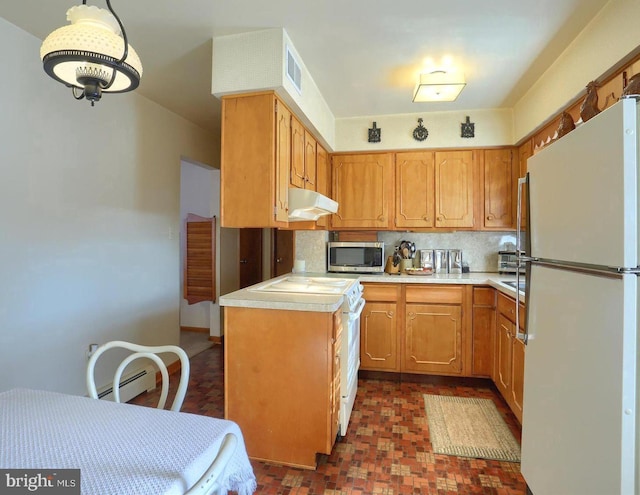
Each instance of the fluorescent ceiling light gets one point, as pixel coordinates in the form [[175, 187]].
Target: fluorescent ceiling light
[[439, 85]]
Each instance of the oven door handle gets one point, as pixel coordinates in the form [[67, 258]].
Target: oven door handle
[[358, 311]]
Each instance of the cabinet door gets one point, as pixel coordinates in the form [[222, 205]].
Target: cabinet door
[[517, 377], [322, 180], [255, 144], [378, 337], [283, 162], [483, 330], [504, 349], [524, 153], [310, 177], [433, 338], [363, 187], [415, 190], [499, 181], [454, 186], [297, 176]]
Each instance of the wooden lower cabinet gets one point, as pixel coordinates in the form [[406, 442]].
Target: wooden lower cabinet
[[517, 377], [503, 352], [282, 382], [509, 354], [433, 338], [482, 331], [414, 328], [457, 330], [379, 336]]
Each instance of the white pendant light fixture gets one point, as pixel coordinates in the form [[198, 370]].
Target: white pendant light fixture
[[439, 85], [92, 54]]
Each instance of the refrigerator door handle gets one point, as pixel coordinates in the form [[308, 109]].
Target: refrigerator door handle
[[522, 182], [520, 259]]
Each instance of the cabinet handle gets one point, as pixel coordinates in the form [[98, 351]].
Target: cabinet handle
[[244, 261], [490, 217], [439, 218], [278, 260], [426, 218]]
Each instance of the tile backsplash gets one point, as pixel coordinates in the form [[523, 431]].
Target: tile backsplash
[[479, 249]]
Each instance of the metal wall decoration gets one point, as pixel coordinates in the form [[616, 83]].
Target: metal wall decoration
[[374, 134], [420, 133], [467, 129]]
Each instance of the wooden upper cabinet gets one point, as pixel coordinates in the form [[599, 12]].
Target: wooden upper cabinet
[[415, 190], [499, 181], [303, 157], [454, 189], [283, 162], [322, 180], [297, 177], [363, 186], [255, 159], [310, 162], [525, 151]]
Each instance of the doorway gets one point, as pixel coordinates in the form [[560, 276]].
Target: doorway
[[282, 252], [250, 268]]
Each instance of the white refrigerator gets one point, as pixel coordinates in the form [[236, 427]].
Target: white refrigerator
[[580, 421]]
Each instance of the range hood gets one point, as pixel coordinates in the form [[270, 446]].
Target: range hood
[[306, 205]]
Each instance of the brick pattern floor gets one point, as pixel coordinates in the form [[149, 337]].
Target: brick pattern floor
[[386, 450]]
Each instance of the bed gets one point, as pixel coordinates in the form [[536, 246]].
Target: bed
[[119, 448]]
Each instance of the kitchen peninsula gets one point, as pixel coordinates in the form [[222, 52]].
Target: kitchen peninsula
[[283, 351]]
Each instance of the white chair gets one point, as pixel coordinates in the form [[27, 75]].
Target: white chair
[[209, 482], [141, 351]]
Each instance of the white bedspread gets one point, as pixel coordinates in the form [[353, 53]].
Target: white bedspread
[[119, 448]]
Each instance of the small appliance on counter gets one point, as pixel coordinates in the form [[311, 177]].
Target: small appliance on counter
[[508, 262], [425, 258], [439, 261], [454, 261], [355, 257]]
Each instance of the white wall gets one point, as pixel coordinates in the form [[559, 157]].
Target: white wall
[[89, 221], [492, 128], [255, 61]]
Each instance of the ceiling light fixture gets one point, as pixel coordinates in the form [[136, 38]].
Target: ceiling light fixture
[[439, 85], [92, 54]]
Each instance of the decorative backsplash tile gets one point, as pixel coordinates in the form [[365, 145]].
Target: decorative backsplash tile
[[479, 249], [311, 246]]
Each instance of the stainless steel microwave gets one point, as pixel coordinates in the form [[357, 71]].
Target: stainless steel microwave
[[357, 257]]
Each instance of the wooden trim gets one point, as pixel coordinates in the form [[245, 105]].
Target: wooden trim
[[358, 236], [217, 340], [194, 329], [458, 381], [574, 103]]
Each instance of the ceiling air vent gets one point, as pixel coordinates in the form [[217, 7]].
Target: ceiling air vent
[[293, 71]]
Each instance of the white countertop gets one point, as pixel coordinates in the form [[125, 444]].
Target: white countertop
[[328, 303]]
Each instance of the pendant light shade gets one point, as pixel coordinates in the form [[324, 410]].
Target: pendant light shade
[[92, 55]]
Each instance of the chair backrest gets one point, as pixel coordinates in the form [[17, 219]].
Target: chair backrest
[[141, 351]]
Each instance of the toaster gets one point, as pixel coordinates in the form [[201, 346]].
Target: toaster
[[508, 262]]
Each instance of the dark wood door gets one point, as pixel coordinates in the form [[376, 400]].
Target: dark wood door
[[250, 257], [282, 258]]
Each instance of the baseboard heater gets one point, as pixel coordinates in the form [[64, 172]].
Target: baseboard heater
[[132, 384]]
